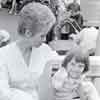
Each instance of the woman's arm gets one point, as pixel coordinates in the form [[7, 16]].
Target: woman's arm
[[5, 92], [8, 93]]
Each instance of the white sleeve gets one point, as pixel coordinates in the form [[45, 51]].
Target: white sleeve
[[7, 93], [91, 92], [4, 85]]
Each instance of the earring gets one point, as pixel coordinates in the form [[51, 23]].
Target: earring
[[28, 33]]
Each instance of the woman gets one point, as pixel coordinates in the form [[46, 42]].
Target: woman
[[70, 82], [22, 62]]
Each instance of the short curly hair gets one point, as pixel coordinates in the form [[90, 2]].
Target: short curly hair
[[35, 17], [79, 55]]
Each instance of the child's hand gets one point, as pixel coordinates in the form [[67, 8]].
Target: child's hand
[[59, 78], [81, 92]]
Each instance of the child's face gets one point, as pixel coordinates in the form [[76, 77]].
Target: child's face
[[75, 69]]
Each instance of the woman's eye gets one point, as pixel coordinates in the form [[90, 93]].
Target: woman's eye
[[43, 36]]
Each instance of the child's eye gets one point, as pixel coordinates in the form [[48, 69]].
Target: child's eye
[[81, 65], [72, 63]]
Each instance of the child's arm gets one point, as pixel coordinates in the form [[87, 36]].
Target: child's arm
[[87, 91], [91, 91], [58, 78]]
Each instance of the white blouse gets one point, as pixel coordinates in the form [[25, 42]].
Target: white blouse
[[17, 80]]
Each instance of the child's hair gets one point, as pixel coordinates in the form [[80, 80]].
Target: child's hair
[[79, 55]]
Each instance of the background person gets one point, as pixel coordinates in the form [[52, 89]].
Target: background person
[[75, 10]]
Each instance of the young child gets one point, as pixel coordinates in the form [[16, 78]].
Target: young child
[[69, 81]]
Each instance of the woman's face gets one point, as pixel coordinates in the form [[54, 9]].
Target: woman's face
[[75, 69], [38, 39]]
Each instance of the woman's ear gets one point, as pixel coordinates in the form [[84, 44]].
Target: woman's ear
[[28, 33]]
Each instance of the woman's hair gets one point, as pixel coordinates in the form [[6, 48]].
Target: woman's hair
[[79, 55], [36, 18]]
